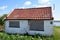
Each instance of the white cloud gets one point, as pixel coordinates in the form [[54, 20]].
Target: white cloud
[[44, 1], [41, 5], [21, 7], [27, 3], [3, 7]]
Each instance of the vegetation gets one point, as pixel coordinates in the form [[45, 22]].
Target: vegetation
[[1, 19], [5, 36], [56, 33]]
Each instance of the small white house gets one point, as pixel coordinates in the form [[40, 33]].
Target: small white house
[[31, 20]]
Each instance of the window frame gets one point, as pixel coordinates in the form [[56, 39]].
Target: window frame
[[13, 26], [36, 29]]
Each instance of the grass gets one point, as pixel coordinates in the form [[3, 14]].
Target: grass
[[57, 33], [5, 36]]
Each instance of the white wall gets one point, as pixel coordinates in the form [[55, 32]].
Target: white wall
[[21, 30], [24, 27], [48, 29]]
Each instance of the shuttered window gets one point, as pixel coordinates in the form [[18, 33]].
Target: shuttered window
[[14, 24], [37, 25]]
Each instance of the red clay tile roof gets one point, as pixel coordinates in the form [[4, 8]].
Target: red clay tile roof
[[31, 13]]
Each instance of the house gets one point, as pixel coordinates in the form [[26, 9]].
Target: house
[[30, 20], [57, 23]]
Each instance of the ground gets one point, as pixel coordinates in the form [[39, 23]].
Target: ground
[[5, 36], [57, 33]]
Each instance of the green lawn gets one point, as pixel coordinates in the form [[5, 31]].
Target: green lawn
[[5, 36], [57, 33]]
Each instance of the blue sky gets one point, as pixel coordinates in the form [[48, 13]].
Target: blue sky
[[6, 6]]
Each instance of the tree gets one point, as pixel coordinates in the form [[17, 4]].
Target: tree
[[3, 16], [1, 19], [1, 22]]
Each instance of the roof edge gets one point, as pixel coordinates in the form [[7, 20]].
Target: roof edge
[[32, 8], [28, 19]]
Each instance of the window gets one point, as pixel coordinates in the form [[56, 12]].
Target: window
[[14, 24], [51, 22], [36, 25]]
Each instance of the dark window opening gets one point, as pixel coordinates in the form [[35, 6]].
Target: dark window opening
[[14, 24], [37, 25], [51, 22]]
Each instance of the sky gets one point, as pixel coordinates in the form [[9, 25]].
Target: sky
[[6, 6]]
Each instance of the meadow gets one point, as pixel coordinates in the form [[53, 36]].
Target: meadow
[[5, 36]]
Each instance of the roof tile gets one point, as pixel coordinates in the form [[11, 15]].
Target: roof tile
[[31, 13]]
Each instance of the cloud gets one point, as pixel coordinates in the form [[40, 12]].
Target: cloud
[[3, 7], [44, 1], [41, 5], [27, 3], [21, 7]]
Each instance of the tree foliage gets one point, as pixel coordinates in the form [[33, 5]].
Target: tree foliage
[[1, 19]]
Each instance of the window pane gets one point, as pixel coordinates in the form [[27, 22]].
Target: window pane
[[14, 24], [37, 25]]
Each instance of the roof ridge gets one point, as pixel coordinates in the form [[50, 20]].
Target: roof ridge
[[31, 8]]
